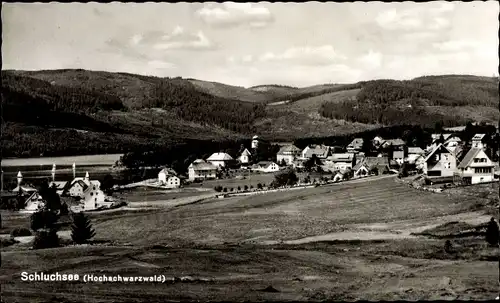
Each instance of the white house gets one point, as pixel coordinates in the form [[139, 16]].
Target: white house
[[220, 159], [440, 162], [78, 186], [173, 182], [477, 141], [288, 154], [93, 197], [341, 162], [452, 142], [200, 169], [338, 177], [475, 168], [321, 151], [361, 169], [164, 174], [34, 203], [245, 156], [266, 167]]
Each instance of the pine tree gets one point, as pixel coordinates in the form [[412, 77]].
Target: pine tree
[[81, 230]]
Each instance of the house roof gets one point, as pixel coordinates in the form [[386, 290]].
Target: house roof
[[168, 171], [357, 143], [288, 149], [437, 136], [439, 147], [318, 150], [58, 184], [220, 157], [265, 163], [246, 152], [24, 188], [478, 137], [344, 157], [394, 142], [469, 157], [202, 166], [415, 150], [453, 139]]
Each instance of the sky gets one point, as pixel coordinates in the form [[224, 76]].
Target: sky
[[246, 44]]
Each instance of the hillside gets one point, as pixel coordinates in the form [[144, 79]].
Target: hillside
[[115, 112]]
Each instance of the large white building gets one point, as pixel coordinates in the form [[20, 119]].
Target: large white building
[[475, 167], [200, 169], [168, 178], [245, 156], [220, 159], [288, 154]]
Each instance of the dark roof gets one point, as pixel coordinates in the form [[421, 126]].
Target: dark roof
[[467, 160], [394, 142]]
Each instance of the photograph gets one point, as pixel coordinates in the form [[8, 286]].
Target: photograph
[[250, 151]]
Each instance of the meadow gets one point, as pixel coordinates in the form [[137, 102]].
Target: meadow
[[308, 244]]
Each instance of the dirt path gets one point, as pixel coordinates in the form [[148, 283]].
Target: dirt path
[[388, 231]]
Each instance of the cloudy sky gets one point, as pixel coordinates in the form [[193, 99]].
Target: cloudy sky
[[260, 43]]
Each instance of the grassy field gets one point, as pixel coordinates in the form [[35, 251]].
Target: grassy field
[[223, 241]]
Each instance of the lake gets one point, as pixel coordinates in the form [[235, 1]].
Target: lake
[[98, 166]]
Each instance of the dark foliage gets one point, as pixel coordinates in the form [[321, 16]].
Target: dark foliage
[[492, 233], [20, 232], [81, 230], [285, 178], [43, 219], [46, 239]]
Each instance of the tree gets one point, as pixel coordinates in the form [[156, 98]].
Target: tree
[[312, 163], [225, 189], [81, 230], [245, 187], [46, 239], [285, 178], [107, 183], [43, 219], [259, 186], [20, 200], [50, 196], [492, 233], [239, 188]]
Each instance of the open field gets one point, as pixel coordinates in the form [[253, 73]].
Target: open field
[[304, 243]]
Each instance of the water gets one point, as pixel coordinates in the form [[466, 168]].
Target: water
[[98, 166]]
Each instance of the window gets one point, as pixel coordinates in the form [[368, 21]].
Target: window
[[482, 170]]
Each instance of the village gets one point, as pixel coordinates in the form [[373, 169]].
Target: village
[[447, 160]]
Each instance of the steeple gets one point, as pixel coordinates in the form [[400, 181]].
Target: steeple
[[53, 172], [87, 177], [19, 178], [74, 171]]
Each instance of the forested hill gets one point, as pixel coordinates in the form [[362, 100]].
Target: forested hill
[[117, 112]]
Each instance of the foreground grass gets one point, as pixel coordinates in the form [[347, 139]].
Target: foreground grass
[[383, 270]]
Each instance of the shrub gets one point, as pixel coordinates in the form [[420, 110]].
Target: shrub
[[64, 209], [232, 189], [259, 186], [20, 232], [448, 247], [492, 233], [42, 219], [239, 188], [245, 187], [81, 230], [218, 188], [225, 189], [251, 186], [46, 239]]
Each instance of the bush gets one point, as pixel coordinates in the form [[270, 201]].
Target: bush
[[239, 188], [492, 233], [218, 188], [81, 230], [259, 186], [251, 186], [20, 232], [232, 189], [246, 187], [448, 247], [46, 239], [225, 189], [42, 219]]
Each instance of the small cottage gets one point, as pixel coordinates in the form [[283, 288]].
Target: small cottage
[[476, 167]]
